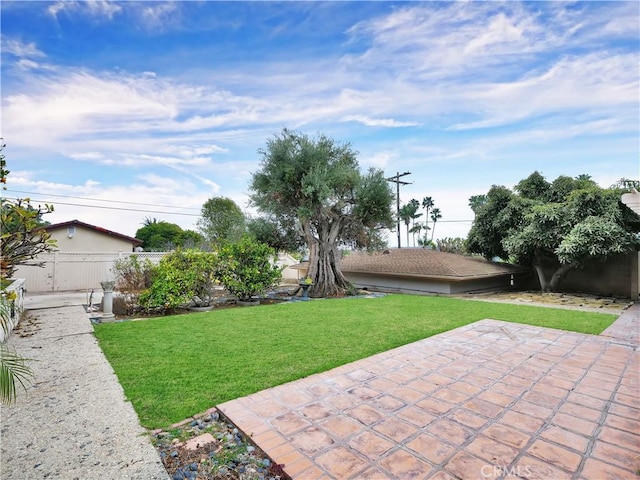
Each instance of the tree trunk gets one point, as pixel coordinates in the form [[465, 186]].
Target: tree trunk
[[558, 276], [328, 280], [544, 284]]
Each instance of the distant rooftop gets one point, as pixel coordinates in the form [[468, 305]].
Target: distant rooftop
[[426, 263], [78, 223]]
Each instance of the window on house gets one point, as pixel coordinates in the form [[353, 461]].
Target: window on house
[[71, 231]]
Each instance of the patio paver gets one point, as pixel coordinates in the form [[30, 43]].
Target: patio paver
[[488, 400]]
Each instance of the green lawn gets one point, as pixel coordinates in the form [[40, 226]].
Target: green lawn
[[173, 367]]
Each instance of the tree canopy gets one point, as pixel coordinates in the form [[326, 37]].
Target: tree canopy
[[161, 236], [557, 226], [221, 221], [317, 184]]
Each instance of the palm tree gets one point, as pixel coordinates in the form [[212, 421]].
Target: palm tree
[[427, 203], [435, 216], [406, 212], [415, 205], [416, 229]]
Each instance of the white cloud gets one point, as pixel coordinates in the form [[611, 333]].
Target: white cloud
[[20, 49], [377, 122], [159, 15], [94, 8]]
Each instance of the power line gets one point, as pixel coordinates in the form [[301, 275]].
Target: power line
[[112, 208], [136, 203], [100, 200]]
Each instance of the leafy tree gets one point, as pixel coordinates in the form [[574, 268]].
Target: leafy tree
[[626, 184], [279, 233], [455, 245], [560, 226], [161, 236], [221, 221], [435, 216], [476, 202], [191, 240], [245, 268], [317, 182]]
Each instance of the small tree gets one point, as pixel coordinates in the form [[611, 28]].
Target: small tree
[[245, 268]]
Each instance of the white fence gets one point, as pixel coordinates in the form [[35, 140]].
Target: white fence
[[67, 271]]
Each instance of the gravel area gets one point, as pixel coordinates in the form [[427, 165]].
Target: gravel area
[[575, 301], [209, 447]]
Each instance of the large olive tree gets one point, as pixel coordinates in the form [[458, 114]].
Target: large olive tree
[[317, 182]]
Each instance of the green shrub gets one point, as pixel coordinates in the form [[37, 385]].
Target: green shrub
[[180, 278], [201, 268], [170, 284], [245, 268]]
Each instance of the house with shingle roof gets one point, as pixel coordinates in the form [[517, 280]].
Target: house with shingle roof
[[420, 270]]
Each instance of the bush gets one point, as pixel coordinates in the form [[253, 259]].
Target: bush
[[132, 278], [180, 278], [245, 268], [170, 284], [202, 273]]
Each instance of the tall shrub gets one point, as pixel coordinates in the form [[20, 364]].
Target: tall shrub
[[180, 278], [246, 270]]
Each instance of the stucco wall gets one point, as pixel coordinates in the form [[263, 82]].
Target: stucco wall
[[616, 277], [87, 240], [411, 285], [396, 284]]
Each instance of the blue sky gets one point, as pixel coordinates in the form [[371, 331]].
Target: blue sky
[[151, 108]]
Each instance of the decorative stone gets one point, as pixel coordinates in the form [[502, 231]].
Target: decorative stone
[[197, 442]]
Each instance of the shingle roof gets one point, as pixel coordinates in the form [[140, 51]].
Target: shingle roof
[[421, 262], [57, 226]]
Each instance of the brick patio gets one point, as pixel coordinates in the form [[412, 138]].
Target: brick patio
[[489, 400]]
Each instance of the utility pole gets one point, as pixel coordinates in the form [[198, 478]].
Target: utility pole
[[396, 179]]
